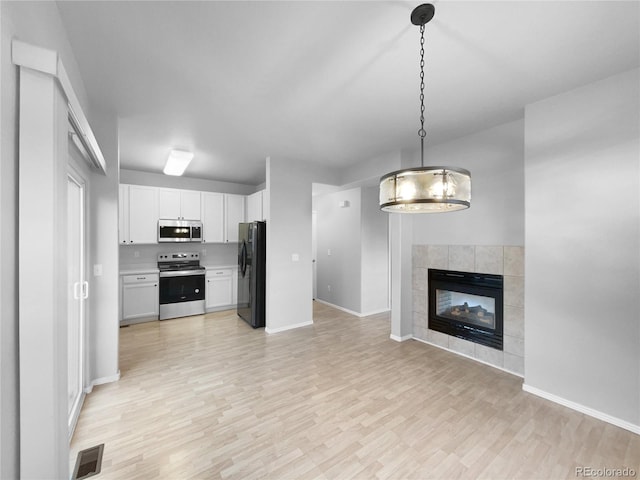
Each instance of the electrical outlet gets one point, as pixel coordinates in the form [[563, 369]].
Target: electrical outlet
[[136, 254], [295, 257], [328, 288], [329, 252]]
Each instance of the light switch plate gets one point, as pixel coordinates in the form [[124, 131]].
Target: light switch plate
[[97, 270]]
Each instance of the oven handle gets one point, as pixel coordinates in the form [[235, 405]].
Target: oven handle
[[182, 273]]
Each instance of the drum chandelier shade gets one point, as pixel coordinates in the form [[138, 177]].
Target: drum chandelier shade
[[425, 189]]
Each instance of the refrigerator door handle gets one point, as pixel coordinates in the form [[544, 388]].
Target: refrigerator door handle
[[243, 258]]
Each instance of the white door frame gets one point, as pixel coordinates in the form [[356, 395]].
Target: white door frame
[[314, 251], [82, 291]]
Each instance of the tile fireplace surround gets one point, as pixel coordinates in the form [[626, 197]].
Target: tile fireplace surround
[[500, 260]]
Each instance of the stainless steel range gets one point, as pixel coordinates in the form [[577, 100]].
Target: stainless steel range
[[181, 285]]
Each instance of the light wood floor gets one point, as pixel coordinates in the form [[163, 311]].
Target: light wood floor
[[207, 397]]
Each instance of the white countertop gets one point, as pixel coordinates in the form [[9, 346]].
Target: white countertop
[[139, 269]]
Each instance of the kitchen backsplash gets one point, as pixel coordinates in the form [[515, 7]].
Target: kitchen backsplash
[[210, 253]]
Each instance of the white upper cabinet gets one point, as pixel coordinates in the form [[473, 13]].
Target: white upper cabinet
[[234, 214], [141, 206], [213, 217], [142, 215], [173, 203], [254, 207], [190, 205], [221, 214], [168, 203]]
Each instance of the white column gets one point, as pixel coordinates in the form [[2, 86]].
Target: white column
[[43, 147], [289, 268], [401, 239]]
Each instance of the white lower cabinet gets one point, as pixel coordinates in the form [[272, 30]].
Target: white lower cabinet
[[140, 301], [220, 288]]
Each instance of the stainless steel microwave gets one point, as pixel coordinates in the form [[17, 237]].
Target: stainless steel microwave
[[170, 230]]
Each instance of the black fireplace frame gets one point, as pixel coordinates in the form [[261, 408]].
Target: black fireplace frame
[[483, 284]]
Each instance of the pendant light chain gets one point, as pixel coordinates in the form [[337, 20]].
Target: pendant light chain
[[422, 132], [425, 189]]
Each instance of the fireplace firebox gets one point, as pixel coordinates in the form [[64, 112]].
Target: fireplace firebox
[[467, 305]]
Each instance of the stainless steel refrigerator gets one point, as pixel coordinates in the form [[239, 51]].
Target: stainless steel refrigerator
[[251, 272]]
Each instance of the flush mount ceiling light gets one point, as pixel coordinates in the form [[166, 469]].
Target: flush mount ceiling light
[[177, 162], [425, 189]]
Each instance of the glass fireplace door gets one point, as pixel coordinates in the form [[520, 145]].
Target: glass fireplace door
[[466, 307]]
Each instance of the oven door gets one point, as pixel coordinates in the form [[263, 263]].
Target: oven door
[[178, 287]]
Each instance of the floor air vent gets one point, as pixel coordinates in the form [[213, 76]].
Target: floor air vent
[[88, 463]]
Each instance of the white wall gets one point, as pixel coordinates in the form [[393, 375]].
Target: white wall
[[103, 312], [369, 171], [339, 230], [495, 158], [288, 213], [357, 235], [37, 23], [582, 234], [375, 253], [9, 399], [136, 177]]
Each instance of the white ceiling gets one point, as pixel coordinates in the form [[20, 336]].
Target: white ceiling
[[329, 82]]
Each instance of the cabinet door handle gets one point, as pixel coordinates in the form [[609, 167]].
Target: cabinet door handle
[[85, 290], [141, 278]]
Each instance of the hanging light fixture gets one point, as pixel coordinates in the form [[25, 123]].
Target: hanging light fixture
[[425, 189]]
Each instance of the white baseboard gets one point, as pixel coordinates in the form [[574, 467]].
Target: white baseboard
[[374, 312], [400, 339], [76, 415], [352, 312], [101, 381], [338, 307], [582, 409], [288, 327], [469, 357]]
